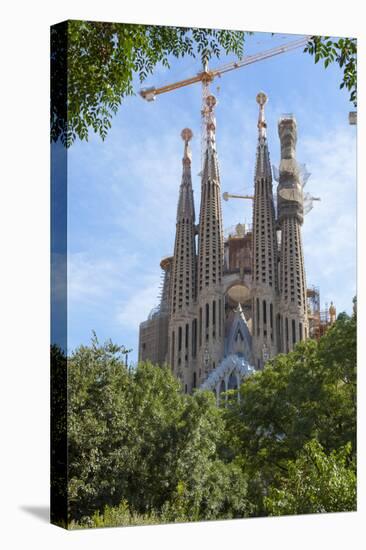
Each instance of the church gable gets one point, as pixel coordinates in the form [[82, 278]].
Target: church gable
[[239, 341]]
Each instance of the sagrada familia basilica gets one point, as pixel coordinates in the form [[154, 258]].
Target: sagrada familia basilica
[[230, 304]]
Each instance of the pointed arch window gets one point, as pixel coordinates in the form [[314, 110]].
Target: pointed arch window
[[239, 336], [232, 382]]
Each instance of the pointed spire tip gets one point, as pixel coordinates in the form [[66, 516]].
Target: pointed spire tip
[[186, 135]]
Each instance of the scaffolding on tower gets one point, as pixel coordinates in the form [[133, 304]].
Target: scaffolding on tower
[[319, 319]]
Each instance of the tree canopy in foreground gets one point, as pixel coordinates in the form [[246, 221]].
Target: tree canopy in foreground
[[102, 60], [141, 452], [93, 65]]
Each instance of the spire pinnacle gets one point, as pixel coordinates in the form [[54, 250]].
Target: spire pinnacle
[[263, 166], [209, 118], [185, 201], [186, 135], [262, 99]]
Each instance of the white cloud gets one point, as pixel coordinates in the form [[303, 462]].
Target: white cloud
[[135, 309], [329, 230], [90, 278], [120, 286]]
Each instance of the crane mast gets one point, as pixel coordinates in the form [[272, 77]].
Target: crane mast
[[206, 76]]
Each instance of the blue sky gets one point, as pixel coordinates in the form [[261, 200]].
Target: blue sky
[[122, 193]]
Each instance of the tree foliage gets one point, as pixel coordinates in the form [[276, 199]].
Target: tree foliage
[[316, 482], [343, 52], [134, 437], [58, 435], [93, 66], [308, 394], [102, 59], [141, 452]]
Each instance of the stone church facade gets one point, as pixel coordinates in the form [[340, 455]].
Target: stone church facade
[[231, 303]]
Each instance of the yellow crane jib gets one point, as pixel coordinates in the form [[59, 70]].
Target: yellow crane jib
[[206, 76], [226, 196]]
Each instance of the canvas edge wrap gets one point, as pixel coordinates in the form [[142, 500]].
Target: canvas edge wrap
[[58, 351]]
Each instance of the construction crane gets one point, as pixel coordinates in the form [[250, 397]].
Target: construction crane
[[226, 196], [208, 122], [308, 199], [206, 76]]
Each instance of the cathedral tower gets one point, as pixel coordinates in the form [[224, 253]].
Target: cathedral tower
[[265, 256], [210, 256], [218, 322], [290, 200], [182, 324]]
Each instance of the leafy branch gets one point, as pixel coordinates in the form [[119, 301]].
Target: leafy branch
[[343, 52]]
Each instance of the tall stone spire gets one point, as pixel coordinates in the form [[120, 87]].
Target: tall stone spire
[[184, 262], [292, 282], [185, 208], [182, 346], [265, 255], [210, 253]]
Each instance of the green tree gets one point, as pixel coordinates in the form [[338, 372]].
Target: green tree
[[58, 436], [307, 394], [115, 516], [207, 487], [135, 438], [101, 60], [316, 482], [93, 65], [140, 451], [99, 442]]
